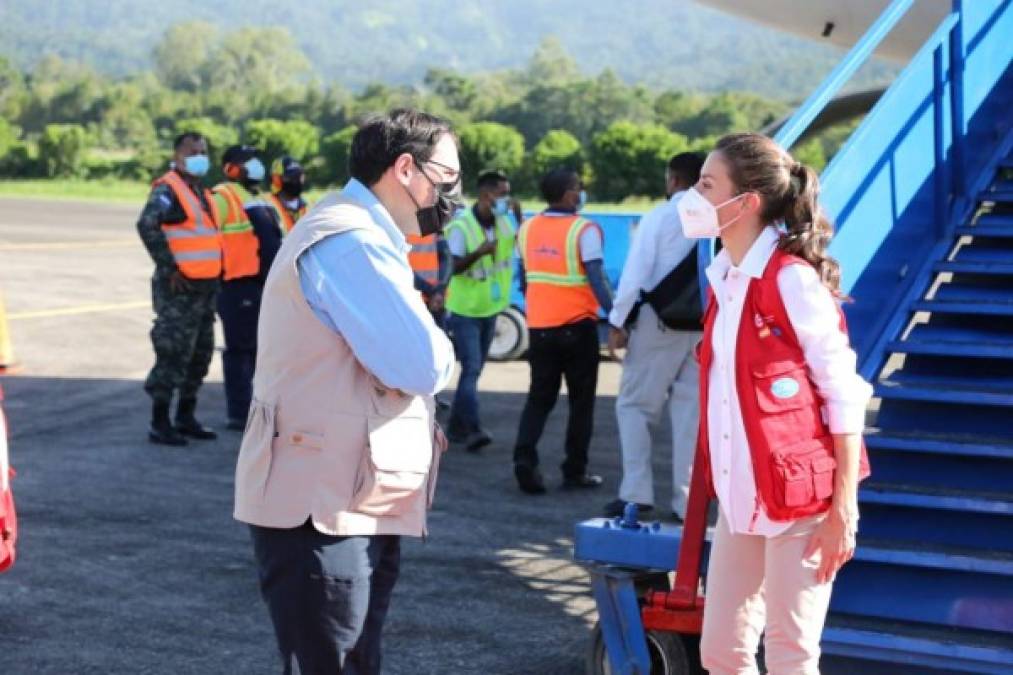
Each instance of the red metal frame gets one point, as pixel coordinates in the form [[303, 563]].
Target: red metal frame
[[681, 609]]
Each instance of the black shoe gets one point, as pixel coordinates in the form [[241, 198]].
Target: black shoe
[[235, 424], [161, 430], [616, 508], [477, 440], [585, 481], [529, 480], [188, 425]]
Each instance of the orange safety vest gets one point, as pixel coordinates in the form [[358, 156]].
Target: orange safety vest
[[558, 292], [423, 258], [285, 218], [239, 242], [196, 242]]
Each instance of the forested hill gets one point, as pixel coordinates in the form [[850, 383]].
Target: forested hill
[[664, 44]]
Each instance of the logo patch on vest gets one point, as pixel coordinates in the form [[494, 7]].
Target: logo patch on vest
[[785, 387]]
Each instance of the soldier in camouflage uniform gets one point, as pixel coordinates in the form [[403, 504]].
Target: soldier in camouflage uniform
[[179, 229]]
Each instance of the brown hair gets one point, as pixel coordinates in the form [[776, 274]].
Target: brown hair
[[789, 191]]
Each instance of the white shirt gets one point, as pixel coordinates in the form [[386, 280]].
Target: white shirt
[[831, 362], [658, 246]]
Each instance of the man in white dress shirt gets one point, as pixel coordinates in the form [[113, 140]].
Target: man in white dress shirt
[[659, 370]]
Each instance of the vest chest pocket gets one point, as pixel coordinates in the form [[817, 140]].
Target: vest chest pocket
[[803, 473], [781, 386], [394, 471]]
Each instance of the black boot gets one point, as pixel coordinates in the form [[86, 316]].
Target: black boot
[[161, 430], [188, 425]]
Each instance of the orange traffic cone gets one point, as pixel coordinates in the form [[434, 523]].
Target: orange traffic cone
[[6, 349]]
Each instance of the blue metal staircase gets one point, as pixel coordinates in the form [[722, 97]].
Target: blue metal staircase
[[932, 580], [922, 197]]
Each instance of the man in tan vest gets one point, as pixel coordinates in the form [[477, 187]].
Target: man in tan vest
[[340, 453]]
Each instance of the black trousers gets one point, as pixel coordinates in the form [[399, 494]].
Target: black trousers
[[327, 596], [239, 309], [568, 352]]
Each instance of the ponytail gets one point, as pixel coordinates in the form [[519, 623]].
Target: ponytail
[[808, 229], [790, 192]]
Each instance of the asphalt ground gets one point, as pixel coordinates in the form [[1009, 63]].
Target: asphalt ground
[[129, 559]]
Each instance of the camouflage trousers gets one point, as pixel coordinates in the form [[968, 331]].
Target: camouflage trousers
[[183, 337]]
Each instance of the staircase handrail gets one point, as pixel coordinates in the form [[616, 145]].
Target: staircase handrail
[[842, 72]]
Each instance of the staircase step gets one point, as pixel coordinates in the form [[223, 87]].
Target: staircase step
[[916, 644], [984, 350], [999, 503], [941, 527], [943, 392], [990, 267], [964, 307], [997, 231], [1003, 196], [955, 558], [967, 446]]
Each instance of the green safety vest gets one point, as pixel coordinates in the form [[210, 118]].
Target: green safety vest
[[484, 288]]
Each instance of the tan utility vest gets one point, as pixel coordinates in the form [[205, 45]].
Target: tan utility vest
[[325, 439]]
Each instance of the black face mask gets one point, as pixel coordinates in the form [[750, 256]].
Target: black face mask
[[292, 189], [433, 219]]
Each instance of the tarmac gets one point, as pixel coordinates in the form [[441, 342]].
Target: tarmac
[[129, 559]]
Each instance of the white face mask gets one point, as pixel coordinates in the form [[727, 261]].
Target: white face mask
[[699, 217]]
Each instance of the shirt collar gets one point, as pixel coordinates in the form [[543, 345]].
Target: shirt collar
[[358, 192], [754, 262]]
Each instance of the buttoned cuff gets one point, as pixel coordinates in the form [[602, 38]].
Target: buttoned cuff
[[846, 418]]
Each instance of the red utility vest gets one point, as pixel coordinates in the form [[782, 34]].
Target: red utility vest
[[8, 518], [790, 444]]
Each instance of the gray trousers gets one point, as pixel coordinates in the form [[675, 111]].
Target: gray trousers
[[659, 374]]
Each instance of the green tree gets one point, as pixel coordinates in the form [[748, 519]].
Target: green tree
[[182, 55], [63, 150], [335, 148], [13, 93], [488, 145], [275, 138], [811, 154], [8, 137], [629, 159], [557, 148]]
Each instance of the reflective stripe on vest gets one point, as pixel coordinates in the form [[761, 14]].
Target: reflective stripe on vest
[[484, 288], [196, 242], [239, 242], [423, 257], [286, 220], [558, 292]]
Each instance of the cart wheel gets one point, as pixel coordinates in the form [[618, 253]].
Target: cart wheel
[[671, 654], [510, 337]]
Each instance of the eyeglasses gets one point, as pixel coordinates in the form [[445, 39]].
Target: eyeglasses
[[446, 188]]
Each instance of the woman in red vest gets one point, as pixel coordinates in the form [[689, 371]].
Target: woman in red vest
[[782, 409]]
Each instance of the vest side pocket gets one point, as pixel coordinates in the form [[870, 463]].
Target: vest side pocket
[[803, 473], [256, 452], [395, 469]]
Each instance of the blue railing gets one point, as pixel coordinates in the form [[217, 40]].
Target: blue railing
[[901, 182]]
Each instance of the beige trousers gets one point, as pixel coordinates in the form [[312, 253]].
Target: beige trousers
[[756, 583]]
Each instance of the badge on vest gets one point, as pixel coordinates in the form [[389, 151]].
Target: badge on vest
[[785, 387]]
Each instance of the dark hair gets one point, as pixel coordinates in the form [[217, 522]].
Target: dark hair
[[187, 136], [686, 167], [790, 192], [558, 182], [381, 139], [238, 154], [490, 179]]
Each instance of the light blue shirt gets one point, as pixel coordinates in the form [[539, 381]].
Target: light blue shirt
[[359, 284]]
